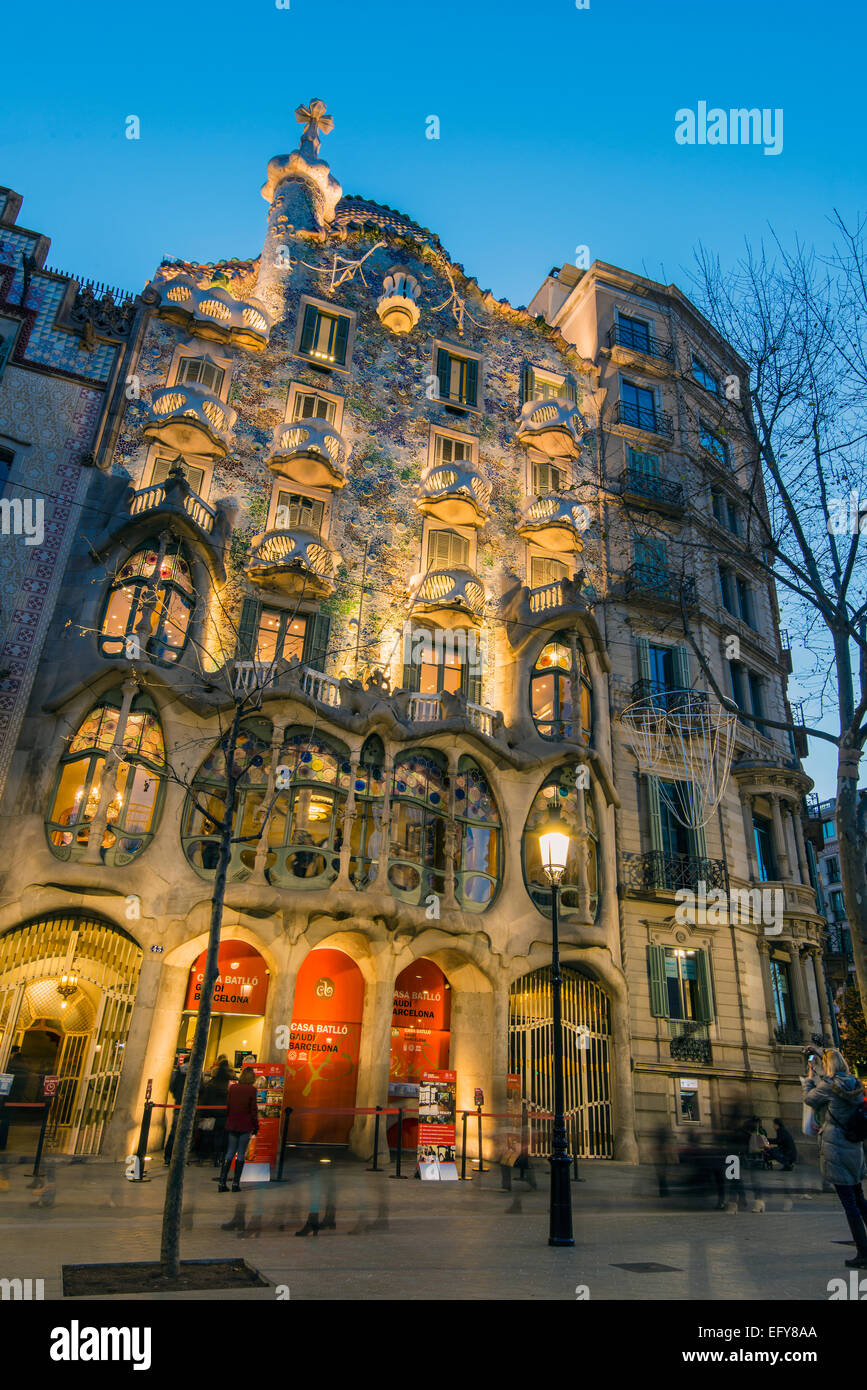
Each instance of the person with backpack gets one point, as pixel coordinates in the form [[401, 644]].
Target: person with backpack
[[837, 1097]]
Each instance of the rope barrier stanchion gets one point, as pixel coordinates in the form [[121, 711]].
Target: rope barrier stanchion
[[142, 1147], [397, 1173], [283, 1128], [374, 1168], [464, 1177], [575, 1175], [46, 1106], [482, 1168]]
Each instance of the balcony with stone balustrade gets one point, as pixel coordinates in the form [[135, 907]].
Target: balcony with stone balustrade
[[212, 313], [309, 453], [452, 596], [556, 521], [294, 561], [553, 426], [454, 493], [190, 420]]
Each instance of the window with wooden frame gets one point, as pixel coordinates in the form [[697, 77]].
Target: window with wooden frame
[[537, 384], [548, 477], [294, 511], [448, 448], [458, 376], [324, 334], [199, 478], [680, 984], [307, 404], [545, 570], [272, 634], [200, 371], [446, 549]]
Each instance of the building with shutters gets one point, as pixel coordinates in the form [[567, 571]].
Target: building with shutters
[[433, 545]]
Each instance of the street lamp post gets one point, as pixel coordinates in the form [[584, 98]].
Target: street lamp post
[[554, 845]]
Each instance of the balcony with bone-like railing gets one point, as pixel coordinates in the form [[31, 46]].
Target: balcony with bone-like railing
[[454, 493], [554, 426], [293, 560], [309, 452], [556, 521], [174, 495], [453, 594], [191, 420], [212, 313]]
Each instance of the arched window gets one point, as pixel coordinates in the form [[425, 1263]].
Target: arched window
[[206, 803], [419, 806], [560, 789], [551, 687], [134, 806], [479, 827], [137, 588], [305, 832], [366, 832]]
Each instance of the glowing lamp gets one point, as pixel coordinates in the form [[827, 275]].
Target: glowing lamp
[[554, 845]]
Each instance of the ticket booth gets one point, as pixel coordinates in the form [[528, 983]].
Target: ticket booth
[[420, 1037], [237, 1007], [324, 1046]]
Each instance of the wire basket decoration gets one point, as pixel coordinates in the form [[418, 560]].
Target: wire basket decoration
[[687, 742]]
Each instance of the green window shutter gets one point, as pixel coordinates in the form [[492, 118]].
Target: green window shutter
[[680, 659], [472, 390], [471, 684], [444, 371], [341, 337], [569, 390], [411, 675], [705, 994], [526, 384], [654, 815], [308, 331], [697, 837], [248, 627], [643, 659], [316, 634], [658, 988]]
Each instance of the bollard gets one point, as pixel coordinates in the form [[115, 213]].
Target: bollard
[[464, 1177], [45, 1109], [286, 1116], [482, 1168], [374, 1167], [144, 1133]]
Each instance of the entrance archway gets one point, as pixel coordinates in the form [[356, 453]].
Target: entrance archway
[[587, 1033], [324, 1046], [420, 1036], [237, 1006], [67, 986]]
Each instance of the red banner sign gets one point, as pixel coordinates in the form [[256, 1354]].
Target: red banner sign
[[242, 984], [437, 1115], [49, 1086], [324, 1044], [270, 1080]]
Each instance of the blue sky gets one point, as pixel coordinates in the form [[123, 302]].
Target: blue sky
[[556, 126]]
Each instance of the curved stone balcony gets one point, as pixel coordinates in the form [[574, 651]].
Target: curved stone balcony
[[556, 521], [295, 561], [454, 493], [309, 452], [191, 420], [453, 594], [213, 313], [397, 306], [556, 427], [171, 496]]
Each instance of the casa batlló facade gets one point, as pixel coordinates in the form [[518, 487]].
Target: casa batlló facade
[[433, 545]]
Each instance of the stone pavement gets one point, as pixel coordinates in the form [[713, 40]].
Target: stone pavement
[[408, 1240]]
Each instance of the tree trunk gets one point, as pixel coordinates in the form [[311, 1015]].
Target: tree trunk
[[852, 843], [171, 1235]]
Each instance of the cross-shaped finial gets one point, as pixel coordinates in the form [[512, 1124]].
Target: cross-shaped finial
[[314, 119]]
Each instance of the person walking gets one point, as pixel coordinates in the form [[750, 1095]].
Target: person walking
[[242, 1120], [218, 1097], [783, 1148], [176, 1091], [835, 1094]]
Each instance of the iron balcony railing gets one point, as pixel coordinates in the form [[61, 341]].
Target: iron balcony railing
[[689, 1042], [787, 1035], [638, 339], [665, 699], [652, 488], [657, 582], [659, 872], [643, 417]]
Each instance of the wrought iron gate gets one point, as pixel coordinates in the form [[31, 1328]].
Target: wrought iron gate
[[586, 1030], [89, 1064]]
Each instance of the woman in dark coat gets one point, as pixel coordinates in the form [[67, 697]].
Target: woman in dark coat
[[835, 1094], [242, 1120], [217, 1096]]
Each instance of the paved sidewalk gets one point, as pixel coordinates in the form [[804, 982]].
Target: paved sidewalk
[[408, 1240]]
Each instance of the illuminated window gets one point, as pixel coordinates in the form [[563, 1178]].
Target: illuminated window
[[305, 828], [274, 634], [324, 336], [297, 512], [443, 660], [419, 808], [538, 385], [458, 377], [152, 607], [680, 986], [560, 789], [206, 804], [366, 834], [200, 371], [551, 688], [135, 800]]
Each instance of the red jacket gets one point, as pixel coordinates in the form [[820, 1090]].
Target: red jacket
[[242, 1116]]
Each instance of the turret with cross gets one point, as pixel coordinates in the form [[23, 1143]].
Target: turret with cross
[[315, 119]]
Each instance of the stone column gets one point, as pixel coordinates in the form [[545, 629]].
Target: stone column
[[374, 1063], [799, 993], [779, 837], [122, 1131], [343, 879], [800, 846], [583, 837], [822, 992], [379, 880], [764, 951], [278, 1006], [453, 844]]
